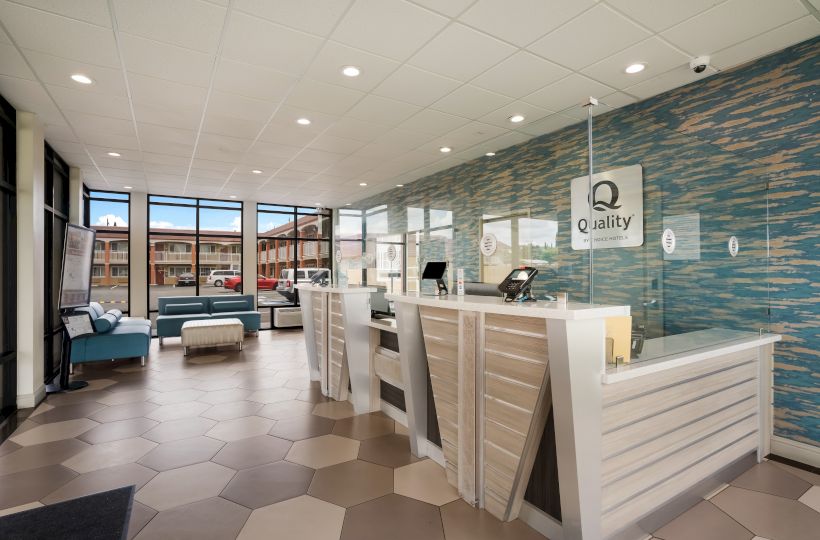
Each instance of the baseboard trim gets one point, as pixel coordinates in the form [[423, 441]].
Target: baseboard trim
[[394, 412], [29, 401], [541, 521], [797, 451]]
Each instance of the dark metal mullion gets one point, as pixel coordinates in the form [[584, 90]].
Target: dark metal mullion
[[196, 243]]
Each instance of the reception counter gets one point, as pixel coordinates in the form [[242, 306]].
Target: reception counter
[[628, 441]]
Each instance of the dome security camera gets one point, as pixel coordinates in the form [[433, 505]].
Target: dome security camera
[[699, 64]]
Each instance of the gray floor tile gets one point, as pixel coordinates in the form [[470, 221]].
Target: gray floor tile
[[252, 452], [101, 480], [40, 455], [114, 431], [767, 515], [175, 454], [268, 484], [773, 480], [394, 517], [211, 519], [32, 485], [704, 521]]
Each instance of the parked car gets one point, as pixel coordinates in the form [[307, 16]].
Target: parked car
[[186, 279], [217, 277], [287, 280], [262, 283]]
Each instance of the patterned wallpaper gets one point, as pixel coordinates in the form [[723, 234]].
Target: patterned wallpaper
[[710, 148]]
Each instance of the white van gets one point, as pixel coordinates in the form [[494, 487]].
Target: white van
[[217, 277], [287, 281]]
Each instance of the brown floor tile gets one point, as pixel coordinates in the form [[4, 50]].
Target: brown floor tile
[[703, 521], [810, 477], [29, 486], [302, 518], [100, 456], [102, 480], [224, 396], [425, 481], [769, 516], [285, 410], [140, 516], [175, 454], [335, 410], [185, 485], [463, 522], [351, 483], [135, 394], [40, 455], [177, 396], [68, 412], [71, 398], [252, 452], [33, 433], [394, 517], [229, 411], [268, 484], [114, 431], [773, 480], [187, 409], [124, 411], [174, 430], [302, 427], [364, 426], [211, 519], [7, 447], [172, 384], [391, 450], [240, 428]]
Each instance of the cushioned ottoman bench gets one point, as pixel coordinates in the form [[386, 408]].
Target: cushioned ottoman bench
[[212, 332]]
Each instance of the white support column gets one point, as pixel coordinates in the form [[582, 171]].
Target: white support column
[[413, 357], [76, 208], [138, 255], [249, 249], [30, 270]]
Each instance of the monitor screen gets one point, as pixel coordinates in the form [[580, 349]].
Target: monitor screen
[[434, 270], [378, 302]]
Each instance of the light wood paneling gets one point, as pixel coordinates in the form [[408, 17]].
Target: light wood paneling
[[387, 366], [338, 372]]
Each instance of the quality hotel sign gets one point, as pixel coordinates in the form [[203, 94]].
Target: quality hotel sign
[[616, 219]]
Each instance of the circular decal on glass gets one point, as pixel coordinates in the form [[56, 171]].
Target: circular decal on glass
[[488, 244], [733, 246], [391, 253], [668, 241], [338, 256]]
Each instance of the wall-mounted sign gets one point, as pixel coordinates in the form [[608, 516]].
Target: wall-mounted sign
[[734, 246], [668, 241], [391, 253], [488, 244], [338, 256], [616, 219], [686, 228]]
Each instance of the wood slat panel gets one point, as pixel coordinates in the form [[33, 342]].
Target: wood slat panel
[[444, 369], [510, 391], [504, 461], [498, 482], [533, 348], [444, 314], [388, 367], [529, 325], [504, 438], [505, 414], [513, 368]]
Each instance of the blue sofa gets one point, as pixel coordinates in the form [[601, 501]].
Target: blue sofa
[[174, 311], [116, 337]]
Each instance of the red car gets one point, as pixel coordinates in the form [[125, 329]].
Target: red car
[[262, 283]]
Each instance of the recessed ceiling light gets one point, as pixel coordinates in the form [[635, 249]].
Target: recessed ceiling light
[[516, 118], [445, 149], [490, 154], [114, 154], [256, 171], [303, 122], [82, 79], [399, 185], [363, 184], [635, 68], [351, 71], [127, 187], [347, 204], [231, 196]]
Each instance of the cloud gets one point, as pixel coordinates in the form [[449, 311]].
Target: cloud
[[169, 225], [235, 226], [111, 220]]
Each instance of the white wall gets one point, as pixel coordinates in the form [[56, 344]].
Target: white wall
[[138, 256], [249, 249], [30, 265], [76, 207]]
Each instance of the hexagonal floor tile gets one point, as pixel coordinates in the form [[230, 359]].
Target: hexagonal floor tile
[[177, 411], [273, 395], [334, 409], [463, 522], [394, 517], [208, 359], [40, 455], [286, 409], [391, 450], [177, 396], [175, 454], [102, 480], [364, 426], [240, 428], [209, 518], [304, 517], [179, 429], [351, 483], [230, 411], [303, 427], [185, 485], [227, 395], [130, 396], [100, 456], [323, 451], [114, 431], [68, 412], [124, 411], [252, 452], [53, 432], [28, 486], [140, 516], [268, 484], [425, 481]]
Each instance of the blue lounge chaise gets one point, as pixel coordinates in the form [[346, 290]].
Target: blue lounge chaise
[[116, 337]]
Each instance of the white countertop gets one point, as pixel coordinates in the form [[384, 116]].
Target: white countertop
[[669, 352], [330, 289], [494, 304]]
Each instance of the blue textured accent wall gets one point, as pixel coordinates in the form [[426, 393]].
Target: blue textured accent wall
[[732, 148]]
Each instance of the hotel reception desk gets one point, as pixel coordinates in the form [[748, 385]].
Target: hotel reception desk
[[627, 443]]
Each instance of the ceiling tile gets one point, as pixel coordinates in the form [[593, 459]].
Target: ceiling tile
[[334, 56], [320, 157], [85, 122], [474, 133], [167, 93], [164, 159], [336, 144], [12, 63], [166, 134], [774, 40], [433, 122], [165, 61], [357, 130], [53, 34], [252, 81], [245, 108], [77, 99], [287, 116], [316, 16], [522, 21], [451, 8], [673, 78], [497, 144], [255, 41], [470, 102], [416, 86], [58, 71], [732, 22], [188, 23], [126, 142], [59, 133], [325, 98], [232, 126], [501, 117], [283, 151], [520, 74], [461, 53], [588, 38], [568, 92], [172, 116], [392, 28], [378, 109], [176, 149], [659, 15], [92, 11], [28, 95], [288, 134], [658, 56]]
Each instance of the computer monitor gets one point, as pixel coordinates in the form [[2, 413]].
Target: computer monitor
[[435, 270], [378, 303]]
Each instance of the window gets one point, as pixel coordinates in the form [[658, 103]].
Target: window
[[188, 239], [349, 248], [8, 256], [108, 213], [288, 239]]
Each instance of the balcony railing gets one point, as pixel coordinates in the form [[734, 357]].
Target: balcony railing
[[99, 257], [227, 258], [118, 256], [172, 256]]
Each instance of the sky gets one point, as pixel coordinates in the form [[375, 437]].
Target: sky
[[168, 217]]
